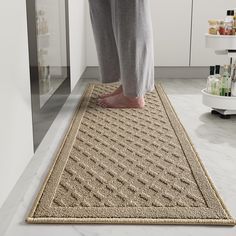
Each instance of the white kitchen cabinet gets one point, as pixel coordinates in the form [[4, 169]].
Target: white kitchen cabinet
[[172, 31], [203, 11], [172, 27]]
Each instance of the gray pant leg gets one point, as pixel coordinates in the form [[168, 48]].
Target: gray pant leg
[[101, 19], [134, 36]]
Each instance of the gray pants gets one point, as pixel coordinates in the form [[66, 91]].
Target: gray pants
[[124, 42]]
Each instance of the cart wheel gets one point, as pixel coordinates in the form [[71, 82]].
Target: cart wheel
[[214, 112], [225, 117]]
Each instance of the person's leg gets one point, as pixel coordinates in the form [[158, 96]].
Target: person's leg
[[134, 37], [101, 20]]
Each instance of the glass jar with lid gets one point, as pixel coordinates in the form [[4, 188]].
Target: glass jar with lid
[[221, 27], [234, 26], [213, 27]]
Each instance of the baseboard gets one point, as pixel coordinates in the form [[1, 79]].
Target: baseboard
[[161, 72], [181, 72]]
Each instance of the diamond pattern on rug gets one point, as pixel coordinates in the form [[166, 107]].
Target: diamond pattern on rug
[[127, 166], [127, 157]]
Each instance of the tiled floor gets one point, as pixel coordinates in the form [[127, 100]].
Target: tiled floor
[[214, 139]]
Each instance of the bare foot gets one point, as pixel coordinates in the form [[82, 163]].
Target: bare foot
[[117, 91], [121, 101]]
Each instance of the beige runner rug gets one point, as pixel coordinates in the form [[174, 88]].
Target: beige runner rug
[[128, 166]]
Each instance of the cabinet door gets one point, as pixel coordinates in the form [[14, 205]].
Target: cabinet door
[[172, 28], [203, 11]]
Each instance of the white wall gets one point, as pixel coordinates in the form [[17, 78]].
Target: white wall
[[77, 9], [203, 11], [16, 135]]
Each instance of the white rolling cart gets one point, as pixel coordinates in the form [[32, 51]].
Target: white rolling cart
[[223, 45]]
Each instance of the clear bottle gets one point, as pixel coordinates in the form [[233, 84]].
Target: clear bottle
[[233, 82], [225, 81], [216, 82], [234, 26], [210, 78], [229, 21], [221, 27], [46, 81], [43, 26], [232, 75]]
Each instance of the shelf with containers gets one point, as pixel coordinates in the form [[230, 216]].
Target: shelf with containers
[[223, 105]]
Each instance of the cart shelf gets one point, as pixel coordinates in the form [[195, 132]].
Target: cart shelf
[[218, 102], [222, 44]]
